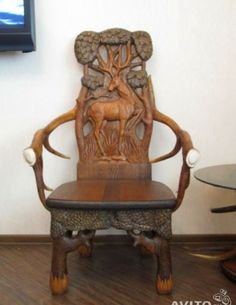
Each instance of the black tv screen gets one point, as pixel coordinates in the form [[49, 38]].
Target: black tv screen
[[17, 30], [12, 13]]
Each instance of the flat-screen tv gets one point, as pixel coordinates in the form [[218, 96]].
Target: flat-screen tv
[[17, 25]]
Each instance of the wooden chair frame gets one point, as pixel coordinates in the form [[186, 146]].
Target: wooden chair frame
[[110, 76]]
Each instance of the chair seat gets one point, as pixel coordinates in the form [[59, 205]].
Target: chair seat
[[116, 194]]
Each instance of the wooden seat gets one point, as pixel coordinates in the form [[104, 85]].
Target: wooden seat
[[117, 194], [114, 115]]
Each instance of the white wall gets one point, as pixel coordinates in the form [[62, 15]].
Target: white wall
[[194, 74]]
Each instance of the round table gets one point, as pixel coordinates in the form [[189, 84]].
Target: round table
[[223, 176]]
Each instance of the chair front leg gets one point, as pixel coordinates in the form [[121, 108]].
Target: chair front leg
[[160, 248], [164, 282], [59, 276], [62, 245]]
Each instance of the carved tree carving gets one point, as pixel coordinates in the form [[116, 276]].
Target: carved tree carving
[[117, 99]]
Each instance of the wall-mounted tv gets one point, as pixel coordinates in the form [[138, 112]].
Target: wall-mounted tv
[[17, 25]]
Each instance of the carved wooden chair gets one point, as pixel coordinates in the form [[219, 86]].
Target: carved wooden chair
[[113, 115]]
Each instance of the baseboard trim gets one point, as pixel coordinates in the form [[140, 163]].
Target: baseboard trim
[[125, 239]]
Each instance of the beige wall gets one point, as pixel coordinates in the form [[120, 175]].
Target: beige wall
[[194, 74]]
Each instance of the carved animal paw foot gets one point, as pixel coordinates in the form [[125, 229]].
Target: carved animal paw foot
[[164, 286], [58, 284]]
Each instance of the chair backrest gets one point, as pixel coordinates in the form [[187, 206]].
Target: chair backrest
[[114, 112]]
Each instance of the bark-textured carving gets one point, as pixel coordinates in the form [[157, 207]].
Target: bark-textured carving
[[158, 220]]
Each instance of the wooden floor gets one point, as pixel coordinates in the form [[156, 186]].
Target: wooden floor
[[116, 274]]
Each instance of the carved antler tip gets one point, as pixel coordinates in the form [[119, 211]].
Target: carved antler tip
[[193, 157], [62, 156], [52, 150], [47, 188], [29, 156]]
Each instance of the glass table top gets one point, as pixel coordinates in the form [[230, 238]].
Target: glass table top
[[219, 175]]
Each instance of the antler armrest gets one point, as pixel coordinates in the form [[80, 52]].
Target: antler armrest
[[189, 153], [33, 154]]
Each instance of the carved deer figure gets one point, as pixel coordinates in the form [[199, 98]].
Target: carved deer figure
[[121, 109]]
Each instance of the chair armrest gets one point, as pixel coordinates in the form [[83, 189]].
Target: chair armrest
[[190, 159], [33, 154], [189, 153]]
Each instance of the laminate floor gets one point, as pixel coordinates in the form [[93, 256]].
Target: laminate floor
[[115, 275]]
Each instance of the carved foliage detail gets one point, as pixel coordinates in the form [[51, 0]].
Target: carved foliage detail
[[87, 43], [143, 44], [85, 47], [115, 36], [137, 79], [92, 81]]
